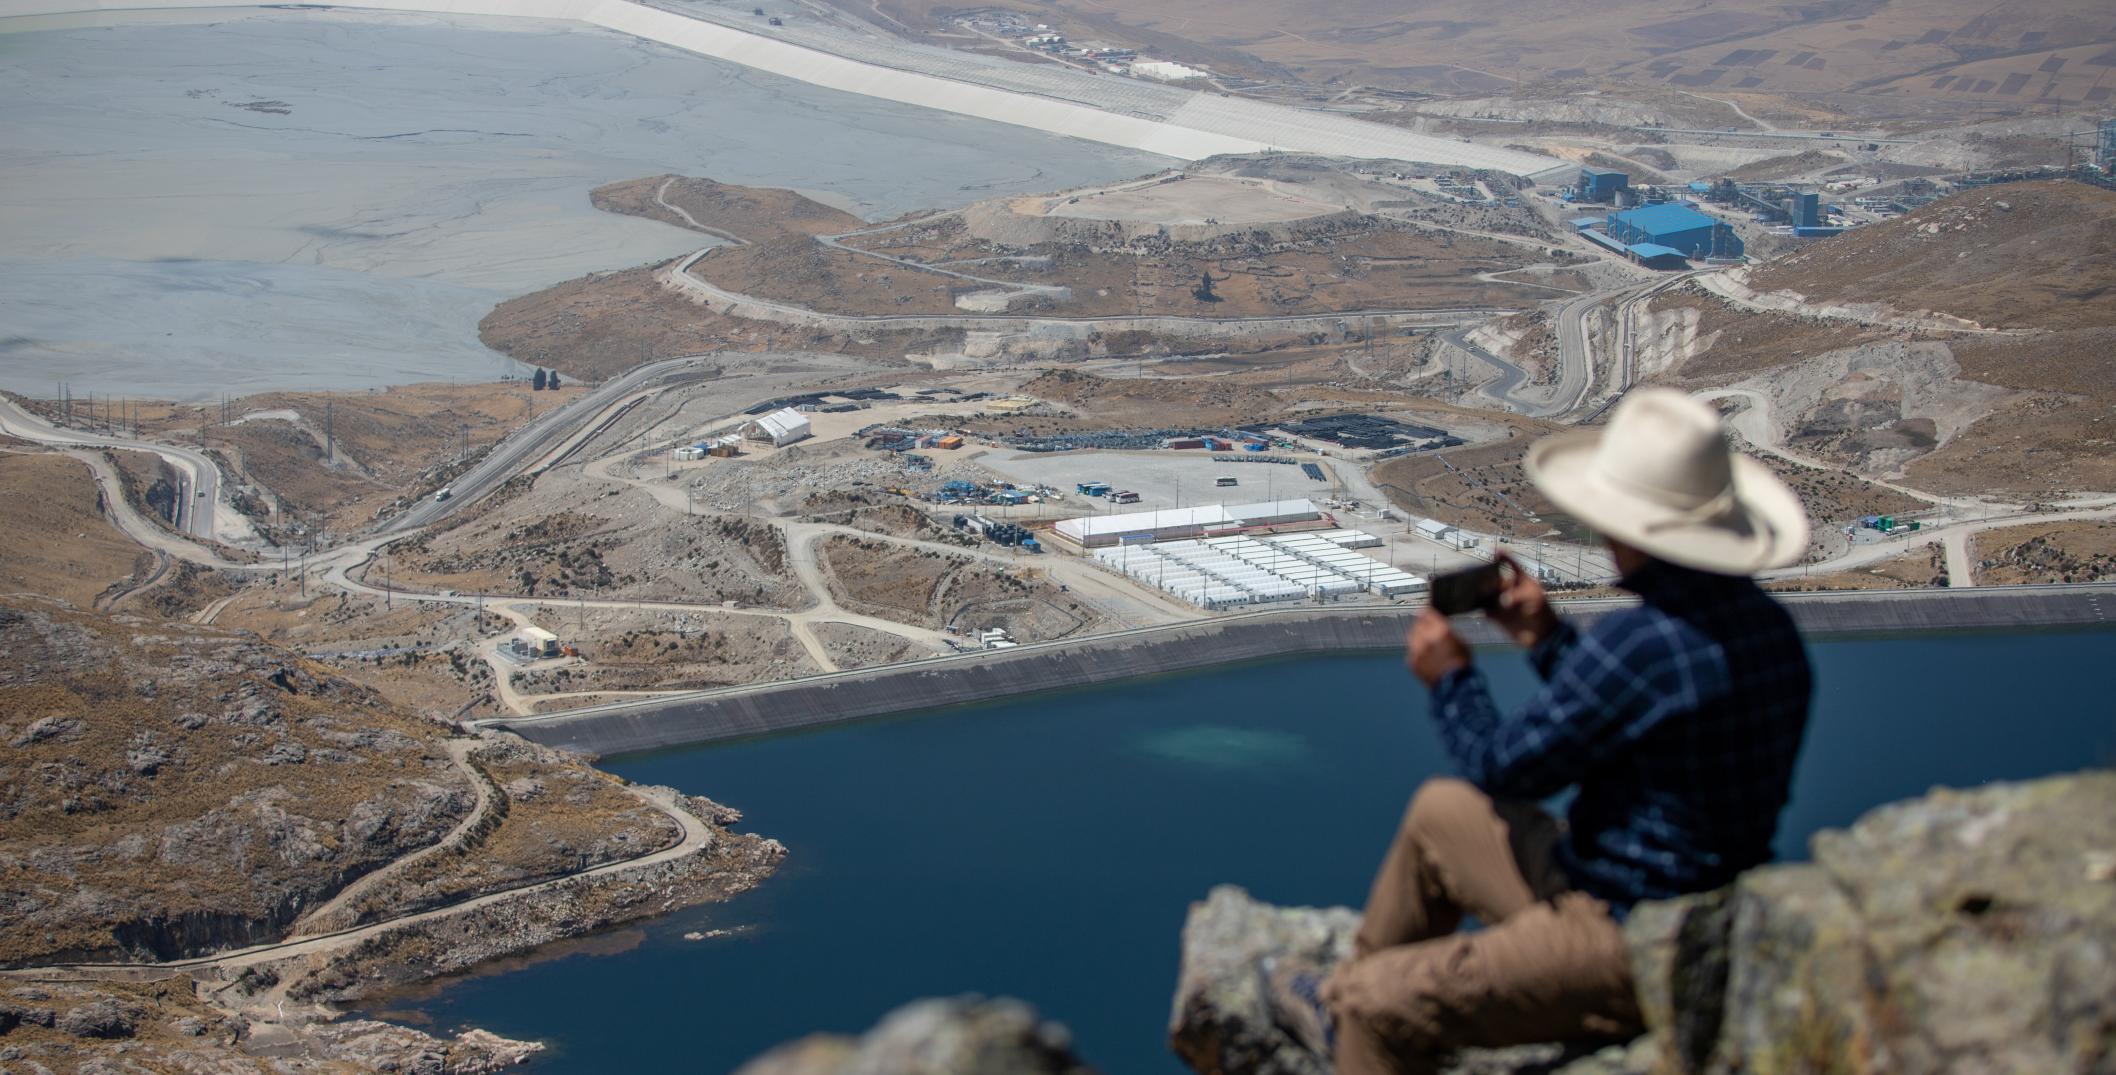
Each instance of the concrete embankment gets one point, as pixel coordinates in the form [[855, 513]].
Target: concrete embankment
[[737, 712]]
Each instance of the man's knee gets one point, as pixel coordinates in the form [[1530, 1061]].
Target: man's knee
[[1444, 802], [1410, 998]]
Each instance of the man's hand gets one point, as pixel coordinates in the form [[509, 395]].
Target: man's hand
[[1522, 610], [1434, 649]]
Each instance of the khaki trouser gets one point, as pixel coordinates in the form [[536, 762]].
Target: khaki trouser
[[1550, 964]]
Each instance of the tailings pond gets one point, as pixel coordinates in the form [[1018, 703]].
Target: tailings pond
[[1047, 847], [195, 203]]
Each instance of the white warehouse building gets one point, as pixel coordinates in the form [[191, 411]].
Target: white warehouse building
[[1133, 527], [779, 428], [1435, 530]]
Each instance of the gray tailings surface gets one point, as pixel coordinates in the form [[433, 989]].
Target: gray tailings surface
[[738, 712]]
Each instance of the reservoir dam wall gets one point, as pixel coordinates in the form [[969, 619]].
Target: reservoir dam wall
[[738, 712], [1184, 124]]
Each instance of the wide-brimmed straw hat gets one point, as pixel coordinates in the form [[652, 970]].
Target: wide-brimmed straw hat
[[1662, 480]]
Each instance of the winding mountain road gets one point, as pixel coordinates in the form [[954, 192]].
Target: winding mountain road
[[554, 431], [695, 836], [199, 495]]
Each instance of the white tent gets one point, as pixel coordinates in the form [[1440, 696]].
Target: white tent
[[780, 428]]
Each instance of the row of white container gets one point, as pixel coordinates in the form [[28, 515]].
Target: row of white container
[[1222, 572], [1346, 539], [1295, 556], [1200, 583]]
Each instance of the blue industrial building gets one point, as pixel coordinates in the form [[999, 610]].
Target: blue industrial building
[[1675, 227], [1600, 185], [1805, 210]]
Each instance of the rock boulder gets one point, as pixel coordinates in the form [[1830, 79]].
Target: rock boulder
[[1966, 931], [1969, 932], [962, 1036]]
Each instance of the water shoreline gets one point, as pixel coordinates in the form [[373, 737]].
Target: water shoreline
[[863, 694], [1185, 124]]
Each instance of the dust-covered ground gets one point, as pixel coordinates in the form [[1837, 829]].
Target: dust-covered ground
[[2046, 552], [615, 542], [59, 542], [665, 649], [1922, 566], [937, 590]]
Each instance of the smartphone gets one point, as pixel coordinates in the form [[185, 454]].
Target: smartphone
[[1468, 590]]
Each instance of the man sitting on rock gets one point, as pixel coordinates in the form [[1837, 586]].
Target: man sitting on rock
[[1678, 722]]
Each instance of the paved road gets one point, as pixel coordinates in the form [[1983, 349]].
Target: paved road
[[200, 489], [521, 449], [148, 533], [1576, 360], [1796, 136]]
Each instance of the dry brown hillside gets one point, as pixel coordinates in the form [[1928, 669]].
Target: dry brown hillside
[[749, 213], [1151, 403], [2024, 411], [1918, 48], [2018, 255], [170, 791], [58, 542], [385, 446]]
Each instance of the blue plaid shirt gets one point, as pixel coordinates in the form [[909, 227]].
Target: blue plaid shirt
[[1678, 720]]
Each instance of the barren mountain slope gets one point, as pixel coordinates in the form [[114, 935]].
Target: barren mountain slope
[[2024, 412], [1897, 47], [57, 542], [2018, 255], [169, 791]]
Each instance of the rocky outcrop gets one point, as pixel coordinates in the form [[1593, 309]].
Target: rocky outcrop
[[724, 865], [1966, 931], [168, 791], [963, 1036], [166, 1025]]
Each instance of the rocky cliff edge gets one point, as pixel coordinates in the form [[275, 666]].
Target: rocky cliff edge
[[1965, 931]]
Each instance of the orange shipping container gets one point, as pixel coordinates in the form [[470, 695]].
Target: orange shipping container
[[949, 441]]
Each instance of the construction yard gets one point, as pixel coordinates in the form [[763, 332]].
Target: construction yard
[[901, 504]]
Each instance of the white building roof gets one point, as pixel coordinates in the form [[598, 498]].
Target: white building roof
[[785, 422], [1201, 517], [1144, 522], [1273, 509]]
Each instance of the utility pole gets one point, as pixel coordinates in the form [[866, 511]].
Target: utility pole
[[330, 443]]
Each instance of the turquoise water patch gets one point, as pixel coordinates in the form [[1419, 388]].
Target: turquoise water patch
[[1219, 746]]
